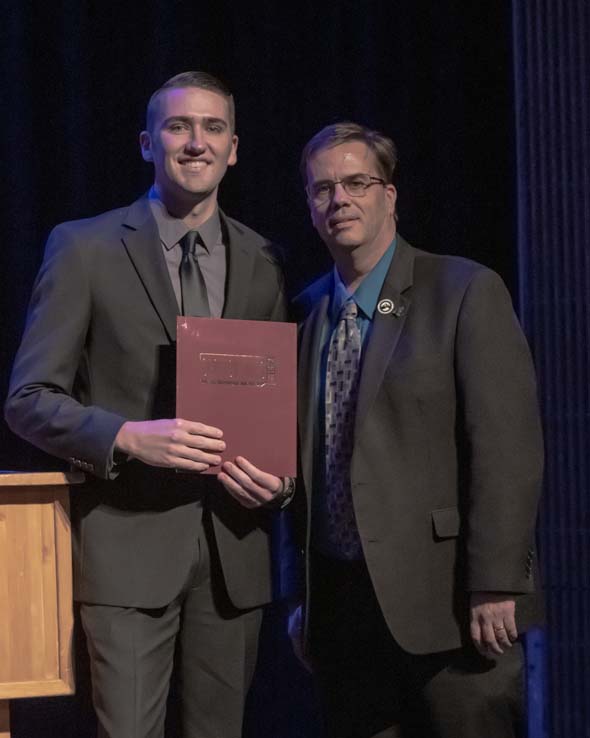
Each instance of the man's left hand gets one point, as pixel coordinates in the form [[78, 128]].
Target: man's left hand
[[492, 622], [250, 486]]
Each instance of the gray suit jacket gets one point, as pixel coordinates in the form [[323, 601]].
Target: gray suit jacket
[[98, 349], [447, 462]]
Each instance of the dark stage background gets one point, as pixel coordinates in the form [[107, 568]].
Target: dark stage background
[[437, 76]]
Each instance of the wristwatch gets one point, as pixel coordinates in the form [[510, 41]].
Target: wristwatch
[[284, 496]]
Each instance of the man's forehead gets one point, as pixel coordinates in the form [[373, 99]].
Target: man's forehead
[[349, 156], [189, 101]]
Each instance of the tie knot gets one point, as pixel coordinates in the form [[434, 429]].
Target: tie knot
[[349, 310], [189, 243]]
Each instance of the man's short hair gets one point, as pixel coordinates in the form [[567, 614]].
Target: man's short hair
[[338, 133], [201, 80]]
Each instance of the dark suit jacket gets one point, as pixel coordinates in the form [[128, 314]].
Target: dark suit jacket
[[447, 460], [98, 350]]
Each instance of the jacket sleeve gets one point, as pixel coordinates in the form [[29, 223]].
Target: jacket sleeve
[[41, 405], [497, 398]]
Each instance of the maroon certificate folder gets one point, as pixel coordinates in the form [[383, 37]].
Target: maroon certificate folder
[[240, 376]]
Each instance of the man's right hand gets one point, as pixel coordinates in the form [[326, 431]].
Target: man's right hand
[[176, 443]]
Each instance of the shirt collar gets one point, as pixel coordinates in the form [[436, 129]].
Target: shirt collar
[[367, 293], [172, 229]]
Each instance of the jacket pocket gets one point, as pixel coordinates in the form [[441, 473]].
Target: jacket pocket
[[446, 522]]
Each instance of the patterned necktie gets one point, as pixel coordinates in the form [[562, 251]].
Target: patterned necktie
[[342, 377], [192, 283]]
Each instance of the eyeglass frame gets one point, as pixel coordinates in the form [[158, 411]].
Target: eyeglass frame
[[333, 182]]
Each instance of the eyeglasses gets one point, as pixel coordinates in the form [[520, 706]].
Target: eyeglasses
[[356, 186]]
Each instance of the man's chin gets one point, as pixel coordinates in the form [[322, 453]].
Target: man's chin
[[195, 188], [196, 192], [345, 240]]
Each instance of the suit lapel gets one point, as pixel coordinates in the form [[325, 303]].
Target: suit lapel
[[142, 241], [386, 328], [240, 268], [308, 390]]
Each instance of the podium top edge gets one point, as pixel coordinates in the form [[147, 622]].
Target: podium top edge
[[37, 479]]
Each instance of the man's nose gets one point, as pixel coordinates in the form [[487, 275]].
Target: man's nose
[[340, 195], [197, 140]]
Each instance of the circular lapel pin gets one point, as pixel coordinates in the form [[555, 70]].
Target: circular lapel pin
[[386, 306]]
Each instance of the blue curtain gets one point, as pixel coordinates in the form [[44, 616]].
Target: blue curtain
[[552, 103]]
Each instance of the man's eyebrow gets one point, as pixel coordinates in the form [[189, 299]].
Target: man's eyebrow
[[177, 119], [213, 119], [347, 176], [189, 119]]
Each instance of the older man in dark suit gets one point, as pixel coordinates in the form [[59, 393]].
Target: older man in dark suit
[[162, 560], [421, 459]]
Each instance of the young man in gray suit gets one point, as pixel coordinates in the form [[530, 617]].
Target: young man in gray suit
[[162, 560], [421, 458]]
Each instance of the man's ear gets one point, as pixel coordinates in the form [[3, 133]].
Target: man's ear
[[145, 143], [311, 212], [391, 194], [233, 156]]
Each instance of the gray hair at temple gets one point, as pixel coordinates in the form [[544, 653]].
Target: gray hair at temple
[[203, 81], [338, 133]]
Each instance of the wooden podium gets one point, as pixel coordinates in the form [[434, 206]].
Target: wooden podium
[[36, 614]]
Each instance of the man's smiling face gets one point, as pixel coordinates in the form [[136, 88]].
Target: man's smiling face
[[191, 144]]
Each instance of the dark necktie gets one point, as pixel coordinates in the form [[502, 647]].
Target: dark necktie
[[192, 283], [342, 376]]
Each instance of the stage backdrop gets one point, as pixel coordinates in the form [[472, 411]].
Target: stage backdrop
[[552, 73], [76, 76]]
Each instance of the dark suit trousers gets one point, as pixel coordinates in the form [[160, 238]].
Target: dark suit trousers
[[212, 645], [370, 686]]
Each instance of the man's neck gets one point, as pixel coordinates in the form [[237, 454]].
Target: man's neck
[[194, 212], [353, 266]]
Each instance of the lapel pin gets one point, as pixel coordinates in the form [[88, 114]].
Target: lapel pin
[[386, 306]]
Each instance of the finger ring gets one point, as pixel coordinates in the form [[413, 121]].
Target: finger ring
[[499, 627]]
